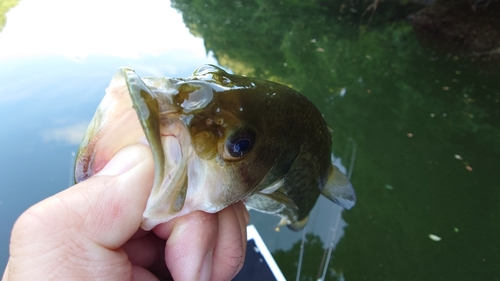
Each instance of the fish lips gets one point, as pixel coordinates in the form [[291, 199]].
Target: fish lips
[[114, 126]]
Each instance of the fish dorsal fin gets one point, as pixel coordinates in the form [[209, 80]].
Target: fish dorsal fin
[[339, 189], [281, 197]]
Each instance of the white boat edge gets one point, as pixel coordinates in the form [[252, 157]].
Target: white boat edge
[[252, 233]]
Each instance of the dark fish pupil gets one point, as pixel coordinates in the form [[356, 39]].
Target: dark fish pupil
[[241, 146], [240, 142]]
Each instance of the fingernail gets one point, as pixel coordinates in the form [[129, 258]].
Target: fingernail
[[124, 160], [206, 268]]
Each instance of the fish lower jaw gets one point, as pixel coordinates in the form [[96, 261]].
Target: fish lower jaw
[[151, 220]]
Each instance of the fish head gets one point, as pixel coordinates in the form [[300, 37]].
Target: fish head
[[207, 134]]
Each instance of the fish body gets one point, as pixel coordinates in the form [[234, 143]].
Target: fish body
[[218, 138]]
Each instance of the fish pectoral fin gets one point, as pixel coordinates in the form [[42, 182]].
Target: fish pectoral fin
[[283, 222], [282, 198], [339, 190]]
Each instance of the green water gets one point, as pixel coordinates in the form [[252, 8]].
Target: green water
[[425, 123]]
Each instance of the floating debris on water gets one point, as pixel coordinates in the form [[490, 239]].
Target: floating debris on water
[[455, 229], [410, 135], [434, 237], [342, 91], [388, 186], [467, 166]]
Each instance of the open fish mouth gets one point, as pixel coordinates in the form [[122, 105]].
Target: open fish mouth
[[160, 124], [170, 187]]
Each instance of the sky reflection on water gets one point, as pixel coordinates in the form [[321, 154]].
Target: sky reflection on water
[[77, 29]]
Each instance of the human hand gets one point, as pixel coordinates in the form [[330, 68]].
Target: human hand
[[91, 232]]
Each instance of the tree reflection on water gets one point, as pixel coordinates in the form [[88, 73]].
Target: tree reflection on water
[[425, 122]]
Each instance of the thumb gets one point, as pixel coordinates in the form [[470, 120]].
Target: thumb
[[106, 208], [92, 217], [117, 196]]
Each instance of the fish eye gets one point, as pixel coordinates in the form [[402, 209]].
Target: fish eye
[[239, 144]]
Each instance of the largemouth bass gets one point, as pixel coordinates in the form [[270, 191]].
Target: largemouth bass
[[218, 138]]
